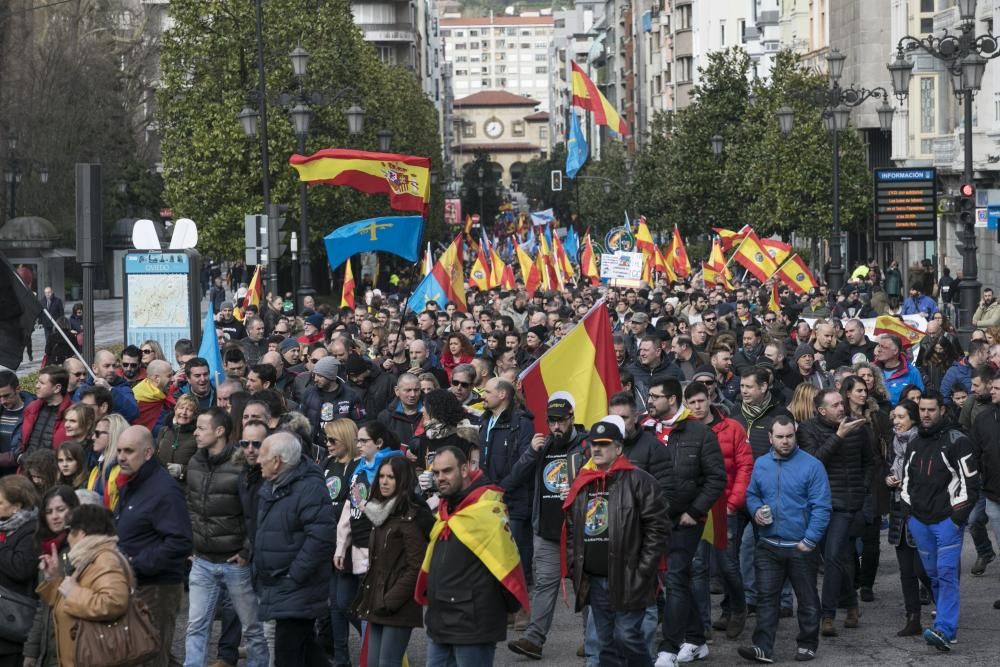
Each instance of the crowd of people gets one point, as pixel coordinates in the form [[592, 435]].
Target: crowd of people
[[374, 470]]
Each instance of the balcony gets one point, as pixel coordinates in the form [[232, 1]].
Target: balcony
[[389, 32]]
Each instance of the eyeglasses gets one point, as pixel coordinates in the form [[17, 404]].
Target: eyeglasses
[[459, 383], [708, 319], [770, 319], [100, 433], [146, 350], [365, 440], [656, 397], [128, 365], [708, 383], [251, 443]]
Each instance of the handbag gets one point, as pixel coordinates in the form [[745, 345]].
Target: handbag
[[17, 615], [129, 640]]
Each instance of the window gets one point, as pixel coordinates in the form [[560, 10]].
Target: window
[[486, 70], [543, 134], [525, 45], [502, 82], [542, 57], [485, 44], [926, 6], [501, 57], [926, 26], [473, 33], [386, 54], [461, 72], [468, 130], [541, 70], [741, 25], [446, 33], [684, 69], [459, 33], [684, 17], [560, 23], [541, 45], [501, 69], [517, 128], [928, 114], [722, 33], [460, 46], [486, 83], [525, 33], [461, 59]]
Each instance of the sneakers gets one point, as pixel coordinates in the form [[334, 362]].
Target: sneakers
[[737, 622], [826, 628], [979, 569], [804, 654], [692, 652], [851, 620], [526, 648], [867, 594], [937, 639], [754, 653], [664, 659]]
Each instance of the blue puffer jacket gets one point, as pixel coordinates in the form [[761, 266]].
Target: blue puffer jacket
[[293, 547], [798, 493], [154, 527], [500, 449], [959, 373], [122, 398], [897, 378]]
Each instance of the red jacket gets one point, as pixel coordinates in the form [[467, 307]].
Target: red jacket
[[739, 460], [31, 416]]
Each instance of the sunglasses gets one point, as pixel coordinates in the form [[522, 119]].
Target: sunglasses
[[250, 443], [126, 365], [100, 433], [146, 351], [459, 383], [708, 319], [331, 441]]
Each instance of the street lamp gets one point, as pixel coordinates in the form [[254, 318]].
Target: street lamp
[[836, 103], [384, 140], [15, 170], [965, 56], [716, 142]]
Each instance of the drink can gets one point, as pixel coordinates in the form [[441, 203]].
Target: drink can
[[765, 514]]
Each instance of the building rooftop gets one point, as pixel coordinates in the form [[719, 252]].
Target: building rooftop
[[537, 116], [496, 20], [495, 98], [521, 147]]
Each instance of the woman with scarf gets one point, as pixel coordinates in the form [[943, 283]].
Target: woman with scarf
[[905, 421], [375, 444], [58, 504], [401, 526], [18, 551], [338, 468], [99, 586], [176, 444], [102, 476]]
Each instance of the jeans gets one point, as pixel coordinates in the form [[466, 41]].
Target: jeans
[[459, 655], [343, 588], [547, 576], [728, 567], [748, 544], [977, 529], [620, 633], [940, 547], [681, 619], [592, 644], [387, 645], [774, 565], [911, 574], [207, 579], [164, 601], [295, 644], [232, 631], [521, 531], [839, 557], [871, 536]]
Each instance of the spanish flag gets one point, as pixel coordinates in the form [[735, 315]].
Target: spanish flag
[[796, 275], [774, 303], [754, 257], [252, 297], [479, 276], [507, 281], [530, 273], [405, 178], [445, 282], [583, 363], [891, 324], [716, 527], [677, 257], [778, 250], [587, 96], [730, 238], [644, 244], [347, 293], [562, 259], [588, 263], [480, 523], [497, 266]]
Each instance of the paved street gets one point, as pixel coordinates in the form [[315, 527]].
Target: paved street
[[109, 331], [874, 643]]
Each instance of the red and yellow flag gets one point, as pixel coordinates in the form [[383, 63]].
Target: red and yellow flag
[[562, 260], [347, 293], [588, 262], [677, 257], [507, 281], [450, 275], [530, 273], [583, 363], [891, 324], [716, 526], [252, 298], [587, 96], [754, 257], [774, 302], [796, 275], [480, 524], [730, 238], [405, 178], [497, 266], [778, 250]]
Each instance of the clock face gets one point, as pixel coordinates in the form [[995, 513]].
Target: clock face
[[494, 128]]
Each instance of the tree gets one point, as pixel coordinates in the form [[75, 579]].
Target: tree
[[213, 174], [601, 192], [537, 184]]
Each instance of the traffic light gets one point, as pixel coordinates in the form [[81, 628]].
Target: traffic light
[[276, 216], [965, 204], [556, 180]]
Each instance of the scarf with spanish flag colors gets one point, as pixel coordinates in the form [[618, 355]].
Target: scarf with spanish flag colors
[[589, 474], [480, 523]]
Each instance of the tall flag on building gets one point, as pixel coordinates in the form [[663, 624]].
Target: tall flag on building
[[587, 96], [583, 363], [730, 238], [754, 257], [796, 275], [399, 235], [588, 262], [347, 292], [252, 297], [445, 282], [405, 178], [677, 257], [576, 147], [209, 348]]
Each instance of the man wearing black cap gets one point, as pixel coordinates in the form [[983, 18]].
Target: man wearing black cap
[[370, 382], [617, 530], [328, 398], [852, 306], [553, 461], [312, 329]]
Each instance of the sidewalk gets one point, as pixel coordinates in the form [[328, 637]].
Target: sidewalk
[[110, 329]]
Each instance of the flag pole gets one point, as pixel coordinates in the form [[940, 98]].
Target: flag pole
[[731, 257]]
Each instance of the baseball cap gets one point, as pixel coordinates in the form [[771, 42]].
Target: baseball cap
[[327, 367], [561, 405], [609, 429], [354, 364]]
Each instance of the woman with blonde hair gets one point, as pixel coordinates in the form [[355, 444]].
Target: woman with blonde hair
[[176, 444], [802, 405], [151, 351], [79, 421], [103, 475]]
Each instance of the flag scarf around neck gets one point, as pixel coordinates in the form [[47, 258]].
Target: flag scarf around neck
[[480, 523], [399, 235], [582, 363], [587, 96], [445, 282], [405, 178]]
